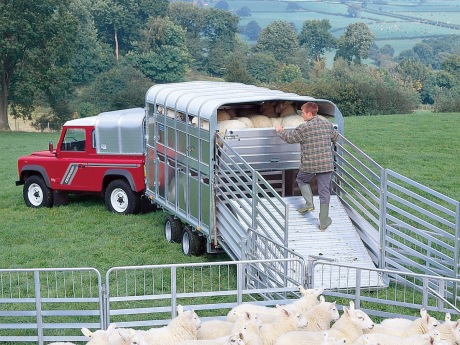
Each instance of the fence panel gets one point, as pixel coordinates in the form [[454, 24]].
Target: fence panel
[[147, 296], [404, 295], [44, 305]]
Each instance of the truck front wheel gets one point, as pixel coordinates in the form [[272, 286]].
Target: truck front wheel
[[119, 198], [36, 193], [192, 243]]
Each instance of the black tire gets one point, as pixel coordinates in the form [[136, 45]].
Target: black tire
[[173, 229], [119, 198], [36, 193], [192, 243]]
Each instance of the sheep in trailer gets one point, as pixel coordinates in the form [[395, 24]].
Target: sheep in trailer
[[292, 121], [268, 109], [285, 109], [405, 328], [260, 121], [99, 337], [182, 327], [203, 123], [224, 126], [246, 120], [350, 326]]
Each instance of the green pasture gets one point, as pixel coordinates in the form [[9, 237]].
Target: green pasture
[[422, 146], [384, 24]]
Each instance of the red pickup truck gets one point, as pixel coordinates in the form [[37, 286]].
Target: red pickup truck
[[103, 154]]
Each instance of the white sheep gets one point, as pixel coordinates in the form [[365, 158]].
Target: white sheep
[[389, 339], [320, 316], [182, 327], [246, 120], [234, 339], [450, 331], [331, 341], [350, 326], [99, 337], [130, 338], [285, 108], [404, 327], [213, 329], [260, 121], [276, 121], [61, 343], [203, 123], [223, 115], [292, 121], [308, 299], [288, 322], [223, 126]]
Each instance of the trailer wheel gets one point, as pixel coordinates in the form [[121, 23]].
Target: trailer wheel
[[173, 229], [192, 244], [36, 193], [119, 198]]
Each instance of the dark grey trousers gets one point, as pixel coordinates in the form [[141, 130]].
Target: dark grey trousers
[[324, 184]]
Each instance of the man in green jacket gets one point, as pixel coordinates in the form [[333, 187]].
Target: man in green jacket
[[315, 136]]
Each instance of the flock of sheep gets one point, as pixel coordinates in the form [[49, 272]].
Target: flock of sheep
[[269, 114], [306, 320]]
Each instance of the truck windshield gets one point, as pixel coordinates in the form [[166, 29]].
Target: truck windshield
[[74, 140]]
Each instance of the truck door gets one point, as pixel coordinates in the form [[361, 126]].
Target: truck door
[[71, 171]]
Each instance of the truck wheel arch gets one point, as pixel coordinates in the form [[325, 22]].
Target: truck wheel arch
[[30, 170], [114, 174]]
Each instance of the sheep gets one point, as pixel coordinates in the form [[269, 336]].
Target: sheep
[[276, 121], [61, 343], [203, 123], [219, 328], [292, 121], [308, 299], [246, 120], [350, 326], [260, 121], [223, 115], [389, 339], [182, 327], [331, 341], [130, 338], [404, 327], [268, 109], [288, 322], [234, 339], [251, 331], [450, 331], [99, 337], [320, 316], [285, 108], [223, 126]]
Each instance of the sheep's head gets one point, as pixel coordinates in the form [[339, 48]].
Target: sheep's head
[[359, 318], [99, 335]]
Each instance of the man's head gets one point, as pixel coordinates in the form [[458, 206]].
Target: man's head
[[309, 110]]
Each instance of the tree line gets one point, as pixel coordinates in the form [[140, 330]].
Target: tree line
[[76, 58]]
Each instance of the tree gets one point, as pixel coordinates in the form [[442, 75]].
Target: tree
[[278, 39], [235, 70], [355, 44], [289, 73], [161, 53], [222, 5], [316, 36], [262, 67], [244, 11], [36, 46], [252, 30]]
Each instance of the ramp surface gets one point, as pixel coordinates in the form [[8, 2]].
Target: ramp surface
[[339, 243]]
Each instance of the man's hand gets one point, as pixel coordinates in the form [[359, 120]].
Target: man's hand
[[279, 128]]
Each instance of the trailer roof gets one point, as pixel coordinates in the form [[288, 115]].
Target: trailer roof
[[203, 98]]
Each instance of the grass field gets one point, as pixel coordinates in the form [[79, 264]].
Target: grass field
[[424, 147]]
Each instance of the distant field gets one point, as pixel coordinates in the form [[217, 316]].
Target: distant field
[[383, 20]]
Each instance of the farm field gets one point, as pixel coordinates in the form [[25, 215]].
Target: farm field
[[422, 146], [391, 22]]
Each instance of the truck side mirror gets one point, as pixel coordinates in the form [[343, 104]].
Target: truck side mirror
[[50, 146]]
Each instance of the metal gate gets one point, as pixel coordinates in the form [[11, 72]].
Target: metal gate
[[45, 305]]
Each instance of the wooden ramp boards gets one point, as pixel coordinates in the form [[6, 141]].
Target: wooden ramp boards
[[340, 243]]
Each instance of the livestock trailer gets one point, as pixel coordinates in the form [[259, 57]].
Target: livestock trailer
[[222, 189]]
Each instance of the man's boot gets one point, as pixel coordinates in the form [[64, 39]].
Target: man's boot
[[308, 196], [324, 220]]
